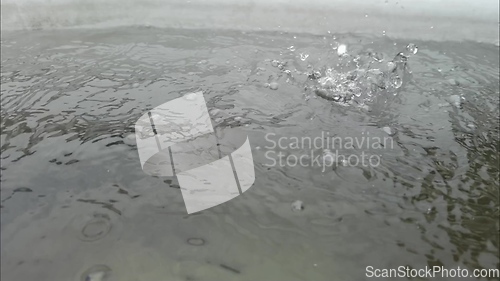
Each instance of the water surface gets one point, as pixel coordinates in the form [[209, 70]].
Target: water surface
[[74, 197]]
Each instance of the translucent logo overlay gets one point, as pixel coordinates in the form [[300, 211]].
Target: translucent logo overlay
[[177, 139]]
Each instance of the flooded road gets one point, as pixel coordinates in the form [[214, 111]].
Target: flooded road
[[76, 204]]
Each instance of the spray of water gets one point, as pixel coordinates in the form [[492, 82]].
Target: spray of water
[[370, 76]]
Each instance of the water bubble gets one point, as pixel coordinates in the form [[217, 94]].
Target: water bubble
[[303, 57], [98, 272], [273, 86]]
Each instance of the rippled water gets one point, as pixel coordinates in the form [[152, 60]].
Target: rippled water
[[77, 206]]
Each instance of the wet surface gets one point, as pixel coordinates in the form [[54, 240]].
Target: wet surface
[[74, 195]]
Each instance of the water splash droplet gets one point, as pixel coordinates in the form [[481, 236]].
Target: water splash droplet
[[341, 50], [412, 48]]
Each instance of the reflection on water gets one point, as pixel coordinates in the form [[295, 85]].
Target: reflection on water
[[77, 206]]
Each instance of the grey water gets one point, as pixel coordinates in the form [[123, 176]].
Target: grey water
[[76, 205]]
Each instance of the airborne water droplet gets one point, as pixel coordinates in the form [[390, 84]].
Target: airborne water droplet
[[412, 48], [342, 49]]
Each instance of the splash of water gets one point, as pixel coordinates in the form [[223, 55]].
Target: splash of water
[[371, 75]]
